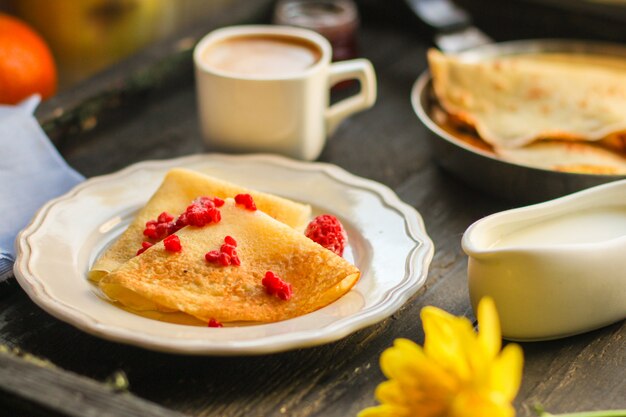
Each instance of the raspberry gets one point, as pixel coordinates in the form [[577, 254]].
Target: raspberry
[[227, 255], [144, 247], [231, 251], [197, 215], [228, 249], [274, 285], [181, 221], [212, 256], [209, 202], [158, 229], [204, 201], [165, 217], [201, 211], [327, 231], [172, 244], [173, 228], [150, 230], [245, 200], [285, 292], [161, 229], [224, 259], [215, 323]]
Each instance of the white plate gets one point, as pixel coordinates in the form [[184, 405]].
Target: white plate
[[387, 242]]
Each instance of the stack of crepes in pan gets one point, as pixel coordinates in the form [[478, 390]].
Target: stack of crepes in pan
[[268, 239], [557, 111]]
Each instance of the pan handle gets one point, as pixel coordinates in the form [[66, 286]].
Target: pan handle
[[453, 27]]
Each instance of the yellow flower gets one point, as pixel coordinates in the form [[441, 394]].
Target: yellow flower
[[458, 372]]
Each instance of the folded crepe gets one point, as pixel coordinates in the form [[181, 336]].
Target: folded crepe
[[179, 188], [567, 156], [514, 100], [184, 281]]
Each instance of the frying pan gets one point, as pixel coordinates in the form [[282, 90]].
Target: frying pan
[[480, 169]]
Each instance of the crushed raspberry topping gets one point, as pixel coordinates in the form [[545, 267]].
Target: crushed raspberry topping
[[246, 201], [201, 211], [327, 231], [212, 256], [229, 250], [215, 323], [227, 255], [165, 217], [209, 201], [234, 260], [144, 247], [274, 285], [224, 259], [157, 229], [172, 244]]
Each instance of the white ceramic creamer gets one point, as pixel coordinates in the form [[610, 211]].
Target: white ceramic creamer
[[554, 269]]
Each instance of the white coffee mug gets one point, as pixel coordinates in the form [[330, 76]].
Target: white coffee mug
[[286, 113]]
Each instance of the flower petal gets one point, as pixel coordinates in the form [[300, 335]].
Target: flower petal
[[426, 387], [403, 355], [473, 404], [489, 331], [407, 363], [506, 372], [446, 340], [423, 403], [390, 392]]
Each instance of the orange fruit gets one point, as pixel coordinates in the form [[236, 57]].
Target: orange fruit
[[26, 63]]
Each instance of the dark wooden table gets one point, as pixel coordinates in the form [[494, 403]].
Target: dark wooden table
[[145, 109]]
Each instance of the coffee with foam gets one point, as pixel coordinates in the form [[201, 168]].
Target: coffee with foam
[[263, 56]]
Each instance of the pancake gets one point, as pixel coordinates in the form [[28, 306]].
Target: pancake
[[184, 281], [605, 157], [179, 188], [580, 157], [514, 100]]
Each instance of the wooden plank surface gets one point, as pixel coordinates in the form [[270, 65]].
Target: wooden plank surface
[[385, 144], [47, 391]]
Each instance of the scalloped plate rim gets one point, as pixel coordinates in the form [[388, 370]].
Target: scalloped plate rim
[[416, 268]]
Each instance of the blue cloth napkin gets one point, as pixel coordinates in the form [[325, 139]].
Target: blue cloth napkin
[[31, 172]]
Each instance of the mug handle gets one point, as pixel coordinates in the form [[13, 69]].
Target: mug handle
[[359, 69]]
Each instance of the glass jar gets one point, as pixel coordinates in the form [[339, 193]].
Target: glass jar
[[336, 20]]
